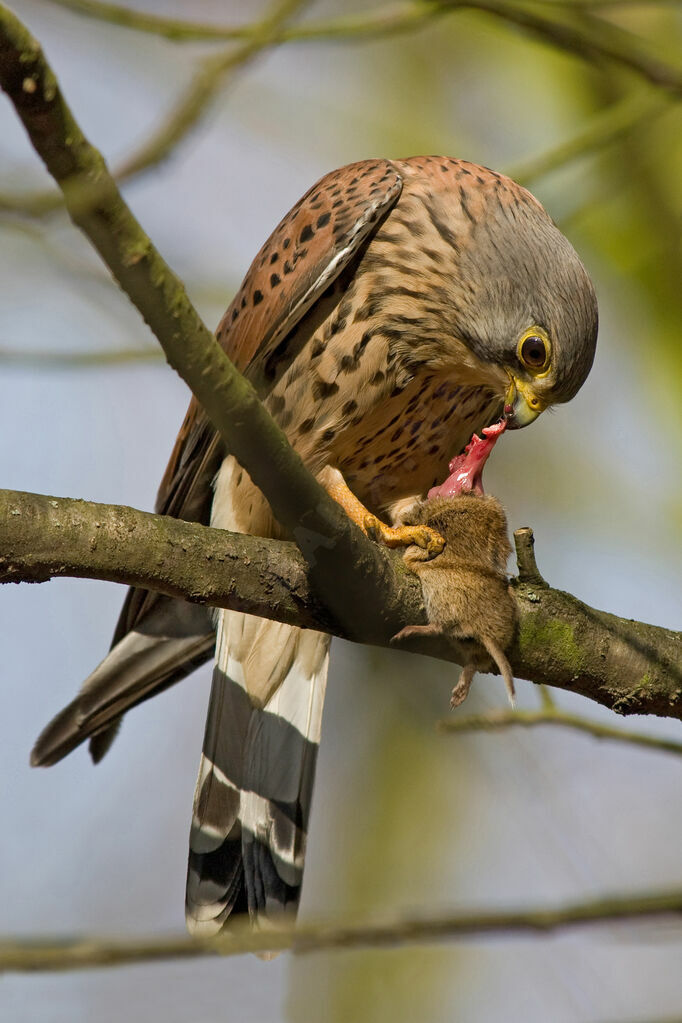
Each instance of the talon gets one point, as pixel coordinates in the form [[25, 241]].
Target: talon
[[399, 536], [428, 538], [404, 536], [372, 527]]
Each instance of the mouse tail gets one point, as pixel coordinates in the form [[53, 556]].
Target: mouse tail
[[500, 659]]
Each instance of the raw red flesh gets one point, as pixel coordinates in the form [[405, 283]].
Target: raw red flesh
[[466, 470]]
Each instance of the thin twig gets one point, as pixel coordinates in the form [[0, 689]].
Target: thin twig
[[31, 955], [382, 21], [36, 358], [589, 45], [185, 114], [498, 720], [202, 91], [546, 699], [598, 4], [602, 42], [604, 129]]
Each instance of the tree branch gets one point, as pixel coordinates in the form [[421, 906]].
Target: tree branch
[[183, 116], [204, 87], [380, 22], [603, 41], [47, 358], [349, 571], [22, 956], [605, 128], [628, 666], [44, 538], [499, 720]]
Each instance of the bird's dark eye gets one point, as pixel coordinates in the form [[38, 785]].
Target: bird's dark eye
[[533, 352]]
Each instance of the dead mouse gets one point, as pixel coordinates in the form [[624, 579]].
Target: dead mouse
[[466, 592]]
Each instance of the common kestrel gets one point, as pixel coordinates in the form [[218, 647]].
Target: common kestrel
[[391, 313]]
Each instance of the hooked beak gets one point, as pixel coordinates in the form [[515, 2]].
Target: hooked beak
[[521, 404]]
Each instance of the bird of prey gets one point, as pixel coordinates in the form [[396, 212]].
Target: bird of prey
[[396, 309]]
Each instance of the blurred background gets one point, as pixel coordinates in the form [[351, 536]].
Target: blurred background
[[404, 820]]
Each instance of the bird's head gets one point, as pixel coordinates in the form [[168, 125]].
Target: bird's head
[[524, 304]]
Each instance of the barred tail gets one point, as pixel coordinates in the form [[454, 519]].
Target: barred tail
[[253, 794]]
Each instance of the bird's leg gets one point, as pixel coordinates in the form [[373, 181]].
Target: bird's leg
[[392, 536]]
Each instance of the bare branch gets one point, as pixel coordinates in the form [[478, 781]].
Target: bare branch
[[181, 119], [45, 538], [46, 358], [29, 955], [499, 720], [204, 87], [599, 42], [383, 21], [628, 666], [607, 127], [176, 30]]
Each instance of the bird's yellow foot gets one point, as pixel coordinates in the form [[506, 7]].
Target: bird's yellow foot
[[392, 536], [403, 536]]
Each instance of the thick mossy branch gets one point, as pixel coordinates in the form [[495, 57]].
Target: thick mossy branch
[[628, 666], [328, 539], [44, 538]]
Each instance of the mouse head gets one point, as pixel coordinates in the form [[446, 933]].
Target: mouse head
[[474, 527]]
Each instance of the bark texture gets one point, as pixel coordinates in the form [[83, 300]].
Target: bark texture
[[629, 666]]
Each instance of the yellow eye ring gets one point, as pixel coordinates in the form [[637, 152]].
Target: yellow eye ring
[[534, 351]]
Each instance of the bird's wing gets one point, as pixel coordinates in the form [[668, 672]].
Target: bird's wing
[[303, 256]]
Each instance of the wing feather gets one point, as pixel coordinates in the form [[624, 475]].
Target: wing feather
[[306, 252]]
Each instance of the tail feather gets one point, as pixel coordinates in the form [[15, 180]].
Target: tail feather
[[173, 640], [254, 789]]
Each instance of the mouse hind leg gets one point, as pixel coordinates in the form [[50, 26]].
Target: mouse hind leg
[[461, 690], [412, 631]]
